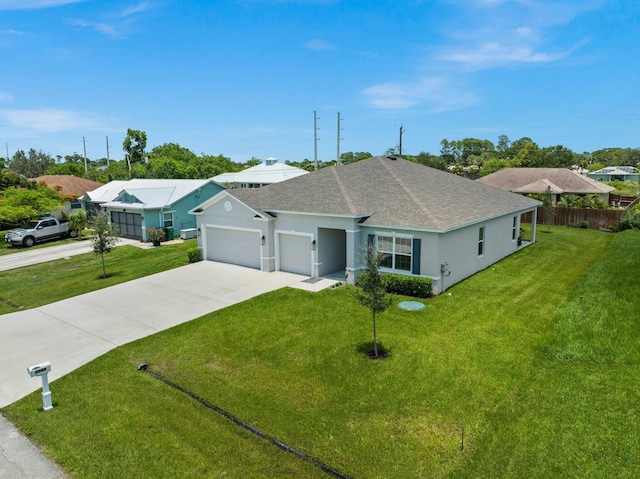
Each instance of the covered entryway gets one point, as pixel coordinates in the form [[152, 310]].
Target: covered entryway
[[332, 252], [129, 224], [294, 253], [235, 246]]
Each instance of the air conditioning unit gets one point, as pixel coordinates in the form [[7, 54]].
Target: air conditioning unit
[[188, 233]]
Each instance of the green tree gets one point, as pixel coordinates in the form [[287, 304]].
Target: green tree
[[74, 169], [77, 221], [372, 294], [32, 164], [430, 160], [19, 205], [351, 157], [105, 238], [134, 145]]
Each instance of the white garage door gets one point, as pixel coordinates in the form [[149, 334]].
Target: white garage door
[[234, 246], [295, 254]]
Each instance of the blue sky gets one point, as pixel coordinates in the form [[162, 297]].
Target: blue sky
[[243, 77]]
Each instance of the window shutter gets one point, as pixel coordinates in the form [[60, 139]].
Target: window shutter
[[415, 267], [371, 241]]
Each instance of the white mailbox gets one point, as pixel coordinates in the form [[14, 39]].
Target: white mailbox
[[43, 370], [39, 369]]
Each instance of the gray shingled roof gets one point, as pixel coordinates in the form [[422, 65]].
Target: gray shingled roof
[[388, 192], [513, 179]]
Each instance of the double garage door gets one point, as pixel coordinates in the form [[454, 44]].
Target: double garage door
[[243, 248]]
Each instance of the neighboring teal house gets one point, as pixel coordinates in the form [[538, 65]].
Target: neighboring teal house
[[140, 204], [615, 173]]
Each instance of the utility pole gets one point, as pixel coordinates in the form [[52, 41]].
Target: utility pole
[[84, 145], [7, 145], [400, 146], [315, 140], [338, 149], [107, 151]]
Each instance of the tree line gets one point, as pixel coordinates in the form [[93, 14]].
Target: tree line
[[471, 156], [21, 199]]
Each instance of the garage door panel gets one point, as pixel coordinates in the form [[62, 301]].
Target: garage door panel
[[129, 224], [234, 246], [295, 254]]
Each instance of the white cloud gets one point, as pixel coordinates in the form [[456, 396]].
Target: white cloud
[[5, 97], [141, 7], [33, 4], [120, 21], [494, 54], [98, 27], [319, 45], [47, 120], [433, 94]]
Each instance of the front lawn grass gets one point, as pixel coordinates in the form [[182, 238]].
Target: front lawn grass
[[478, 384], [33, 286]]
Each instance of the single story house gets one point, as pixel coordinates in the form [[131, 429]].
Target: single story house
[[615, 173], [427, 222], [562, 181], [139, 204], [70, 186], [260, 175]]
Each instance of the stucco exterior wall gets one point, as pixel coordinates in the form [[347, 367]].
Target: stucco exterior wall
[[459, 249]]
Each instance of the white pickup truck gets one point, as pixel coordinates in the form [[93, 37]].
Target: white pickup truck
[[37, 231]]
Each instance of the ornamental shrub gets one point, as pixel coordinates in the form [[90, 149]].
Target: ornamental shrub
[[630, 219], [194, 255], [415, 286]]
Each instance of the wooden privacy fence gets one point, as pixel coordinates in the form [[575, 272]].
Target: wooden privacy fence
[[597, 219]]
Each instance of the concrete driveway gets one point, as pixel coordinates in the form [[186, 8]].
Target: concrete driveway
[[28, 256], [74, 331]]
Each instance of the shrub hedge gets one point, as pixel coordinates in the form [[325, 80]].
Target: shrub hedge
[[194, 254], [415, 286]]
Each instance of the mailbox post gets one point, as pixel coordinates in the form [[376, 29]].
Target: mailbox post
[[43, 370]]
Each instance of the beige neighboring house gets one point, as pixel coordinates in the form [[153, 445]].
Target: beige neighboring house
[[561, 181], [264, 174], [68, 185]]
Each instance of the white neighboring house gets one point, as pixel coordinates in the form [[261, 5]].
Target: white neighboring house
[[260, 175], [428, 222]]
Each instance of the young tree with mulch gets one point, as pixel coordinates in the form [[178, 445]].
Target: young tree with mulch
[[372, 294]]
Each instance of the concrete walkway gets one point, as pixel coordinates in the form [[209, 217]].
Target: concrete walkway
[[74, 331]]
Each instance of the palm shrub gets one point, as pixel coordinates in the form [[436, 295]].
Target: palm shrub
[[77, 221]]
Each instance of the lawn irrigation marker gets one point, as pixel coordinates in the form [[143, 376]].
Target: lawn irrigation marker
[[329, 470]]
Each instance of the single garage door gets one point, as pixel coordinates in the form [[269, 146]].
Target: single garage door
[[234, 246], [129, 224], [295, 254]]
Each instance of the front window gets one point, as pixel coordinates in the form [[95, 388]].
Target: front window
[[514, 231], [481, 241], [396, 251], [167, 220]]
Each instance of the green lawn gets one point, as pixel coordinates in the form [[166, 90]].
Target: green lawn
[[529, 369], [33, 286]]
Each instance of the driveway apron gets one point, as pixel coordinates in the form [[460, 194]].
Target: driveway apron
[[74, 331]]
